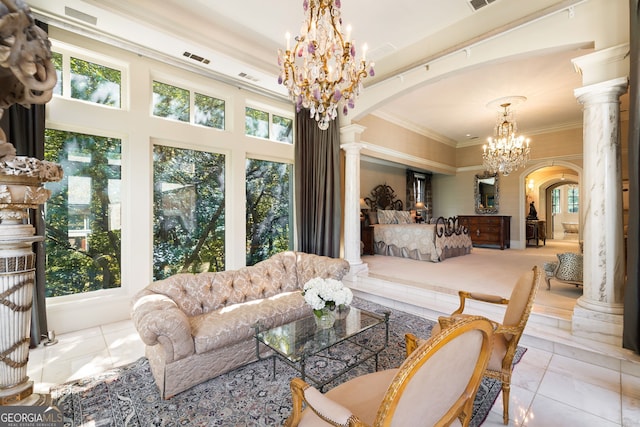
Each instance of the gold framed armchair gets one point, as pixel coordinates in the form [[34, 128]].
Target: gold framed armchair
[[434, 386], [507, 334]]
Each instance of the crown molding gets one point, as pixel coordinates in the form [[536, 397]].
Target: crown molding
[[392, 118], [398, 156]]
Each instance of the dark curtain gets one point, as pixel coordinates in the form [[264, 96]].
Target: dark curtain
[[24, 128], [631, 331], [317, 183]]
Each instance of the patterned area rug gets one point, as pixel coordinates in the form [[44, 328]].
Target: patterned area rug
[[247, 396]]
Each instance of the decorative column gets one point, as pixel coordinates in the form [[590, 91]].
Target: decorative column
[[20, 190], [598, 313], [350, 136]]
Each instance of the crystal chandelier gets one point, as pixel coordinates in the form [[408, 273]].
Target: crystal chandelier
[[326, 72], [505, 152]]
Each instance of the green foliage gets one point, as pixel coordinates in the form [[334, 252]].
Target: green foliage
[[188, 211], [83, 248], [170, 102], [256, 123], [268, 209], [283, 129], [95, 83], [56, 58], [209, 111]]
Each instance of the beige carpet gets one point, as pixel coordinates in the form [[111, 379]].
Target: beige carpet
[[485, 270]]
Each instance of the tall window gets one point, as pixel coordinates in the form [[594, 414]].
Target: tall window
[[188, 211], [573, 200], [269, 209], [555, 201], [83, 213]]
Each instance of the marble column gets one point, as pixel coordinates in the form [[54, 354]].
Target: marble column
[[598, 313], [350, 138]]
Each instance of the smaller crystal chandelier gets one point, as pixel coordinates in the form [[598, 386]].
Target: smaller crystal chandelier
[[327, 71], [505, 152]]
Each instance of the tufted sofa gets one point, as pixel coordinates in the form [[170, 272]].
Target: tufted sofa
[[198, 326]]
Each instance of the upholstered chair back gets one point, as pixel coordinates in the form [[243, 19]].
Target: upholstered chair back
[[441, 377], [520, 301]]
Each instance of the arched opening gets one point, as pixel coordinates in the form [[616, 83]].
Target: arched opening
[[554, 189]]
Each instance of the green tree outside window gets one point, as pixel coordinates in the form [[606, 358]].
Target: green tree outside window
[[209, 111], [82, 216], [56, 58], [95, 83], [170, 102], [283, 129], [269, 209], [188, 211], [256, 123]]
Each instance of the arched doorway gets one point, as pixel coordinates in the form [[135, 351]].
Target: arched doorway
[[537, 185]]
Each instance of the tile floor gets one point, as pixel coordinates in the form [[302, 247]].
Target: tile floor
[[547, 389]]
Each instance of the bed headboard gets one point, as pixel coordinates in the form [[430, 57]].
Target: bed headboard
[[383, 198]]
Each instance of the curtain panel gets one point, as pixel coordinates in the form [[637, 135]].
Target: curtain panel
[[631, 326], [317, 186]]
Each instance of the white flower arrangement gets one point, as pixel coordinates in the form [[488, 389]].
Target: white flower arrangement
[[326, 293]]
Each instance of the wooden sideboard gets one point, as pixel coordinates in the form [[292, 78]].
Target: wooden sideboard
[[488, 230], [536, 230]]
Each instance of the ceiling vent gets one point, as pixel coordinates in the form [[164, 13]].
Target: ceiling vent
[[248, 77], [478, 4], [196, 57]]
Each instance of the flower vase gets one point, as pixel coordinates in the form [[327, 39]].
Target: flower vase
[[325, 318]]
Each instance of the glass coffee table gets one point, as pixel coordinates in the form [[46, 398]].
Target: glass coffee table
[[296, 342]]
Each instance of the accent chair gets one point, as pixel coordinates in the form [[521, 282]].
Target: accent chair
[[568, 269], [507, 334], [435, 386]]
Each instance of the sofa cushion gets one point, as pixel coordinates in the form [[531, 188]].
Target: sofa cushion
[[201, 293], [235, 323], [198, 293], [310, 266], [267, 278]]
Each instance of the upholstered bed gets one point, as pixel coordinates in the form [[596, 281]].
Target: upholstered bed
[[397, 234]]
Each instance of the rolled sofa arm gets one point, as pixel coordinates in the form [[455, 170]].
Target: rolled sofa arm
[[159, 321]]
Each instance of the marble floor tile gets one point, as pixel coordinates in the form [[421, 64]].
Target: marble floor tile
[[573, 390], [520, 401], [546, 412]]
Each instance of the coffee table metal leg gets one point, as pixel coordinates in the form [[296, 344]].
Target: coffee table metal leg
[[303, 365], [273, 377]]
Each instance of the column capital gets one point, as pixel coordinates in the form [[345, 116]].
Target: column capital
[[604, 64], [351, 133], [608, 91]]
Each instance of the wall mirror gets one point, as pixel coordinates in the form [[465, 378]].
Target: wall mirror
[[486, 191]]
